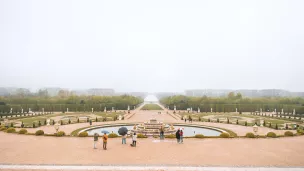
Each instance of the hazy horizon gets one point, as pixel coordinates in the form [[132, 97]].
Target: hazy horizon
[[156, 46]]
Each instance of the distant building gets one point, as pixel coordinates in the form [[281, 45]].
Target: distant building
[[101, 92]]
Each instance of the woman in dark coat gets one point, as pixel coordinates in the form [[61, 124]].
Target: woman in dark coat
[[177, 135]]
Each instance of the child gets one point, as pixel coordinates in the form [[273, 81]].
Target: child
[[134, 138], [95, 140]]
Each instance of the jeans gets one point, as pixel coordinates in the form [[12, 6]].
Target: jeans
[[178, 140], [161, 136], [181, 139], [123, 141], [104, 145]]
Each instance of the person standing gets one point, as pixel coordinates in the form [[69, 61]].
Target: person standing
[[177, 134], [134, 139], [181, 134], [161, 133], [95, 140], [105, 141], [124, 139]]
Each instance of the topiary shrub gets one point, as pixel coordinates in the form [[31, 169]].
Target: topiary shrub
[[271, 134], [250, 135], [224, 135], [208, 119], [3, 128], [11, 130], [34, 126], [61, 123], [141, 136], [270, 125], [53, 122], [39, 132], [12, 124], [22, 131], [288, 134], [112, 135], [170, 136], [60, 134], [245, 123], [217, 120], [44, 122], [69, 121], [83, 134], [300, 131], [39, 123], [237, 121], [77, 120], [228, 121], [276, 127], [199, 136]]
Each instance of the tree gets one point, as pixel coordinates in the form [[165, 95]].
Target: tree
[[231, 95]]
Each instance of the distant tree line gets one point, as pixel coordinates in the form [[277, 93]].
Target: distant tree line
[[233, 101], [61, 103]]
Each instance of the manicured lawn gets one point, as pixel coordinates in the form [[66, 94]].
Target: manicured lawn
[[151, 107]]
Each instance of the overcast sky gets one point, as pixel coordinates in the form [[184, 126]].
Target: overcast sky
[[152, 45]]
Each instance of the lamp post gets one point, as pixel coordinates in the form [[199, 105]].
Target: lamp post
[[255, 129], [57, 127]]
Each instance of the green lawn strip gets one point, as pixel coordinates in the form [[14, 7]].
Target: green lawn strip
[[151, 107]]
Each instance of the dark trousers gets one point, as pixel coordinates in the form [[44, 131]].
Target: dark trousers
[[104, 145], [134, 143]]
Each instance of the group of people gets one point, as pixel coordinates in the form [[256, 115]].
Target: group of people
[[179, 136], [105, 140]]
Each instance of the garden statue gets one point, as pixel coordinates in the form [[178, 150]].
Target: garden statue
[[211, 110], [92, 110], [48, 122], [235, 110], [198, 110], [67, 110], [282, 111], [105, 109], [21, 110]]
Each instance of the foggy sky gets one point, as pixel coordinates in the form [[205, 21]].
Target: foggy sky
[[152, 45]]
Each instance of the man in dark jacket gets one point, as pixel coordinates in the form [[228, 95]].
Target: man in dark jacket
[[177, 135]]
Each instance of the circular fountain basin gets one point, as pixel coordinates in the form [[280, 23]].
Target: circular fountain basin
[[188, 130]]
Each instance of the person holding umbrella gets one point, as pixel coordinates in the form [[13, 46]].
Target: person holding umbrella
[[123, 132]]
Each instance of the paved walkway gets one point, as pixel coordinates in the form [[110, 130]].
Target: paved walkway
[[25, 149], [142, 168]]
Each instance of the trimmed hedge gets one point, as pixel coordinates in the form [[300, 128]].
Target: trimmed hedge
[[224, 135], [112, 135], [288, 134], [250, 135], [22, 131], [170, 136], [39, 132], [271, 134], [3, 128], [199, 136], [83, 134], [141, 136], [11, 130], [60, 134]]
